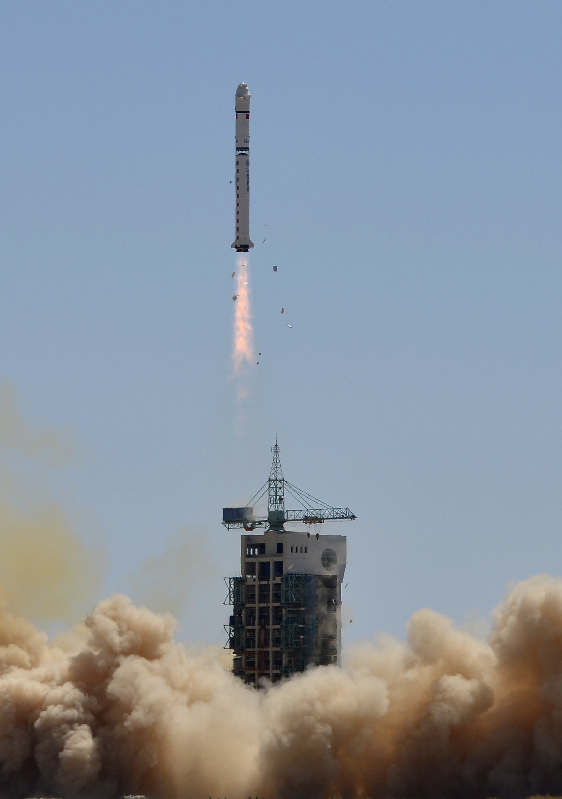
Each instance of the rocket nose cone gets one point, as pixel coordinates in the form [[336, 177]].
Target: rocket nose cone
[[242, 90]]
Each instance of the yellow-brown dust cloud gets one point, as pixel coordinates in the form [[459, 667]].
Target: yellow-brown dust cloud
[[167, 581], [54, 446], [441, 715], [46, 571]]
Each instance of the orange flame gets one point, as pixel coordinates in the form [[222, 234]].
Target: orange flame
[[243, 345]]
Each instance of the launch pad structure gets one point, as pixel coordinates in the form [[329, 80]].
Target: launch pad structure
[[287, 600]]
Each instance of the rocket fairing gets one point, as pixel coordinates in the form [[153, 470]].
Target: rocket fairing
[[242, 241]]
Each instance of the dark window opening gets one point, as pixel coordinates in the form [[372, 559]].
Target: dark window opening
[[264, 594], [263, 636], [264, 615]]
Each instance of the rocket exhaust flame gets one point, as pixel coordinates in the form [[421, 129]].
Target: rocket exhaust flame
[[130, 711], [243, 344]]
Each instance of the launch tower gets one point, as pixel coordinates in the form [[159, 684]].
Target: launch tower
[[286, 602]]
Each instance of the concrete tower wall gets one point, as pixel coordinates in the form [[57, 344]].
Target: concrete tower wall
[[286, 603]]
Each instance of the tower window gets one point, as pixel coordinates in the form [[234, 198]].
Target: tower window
[[265, 570], [264, 615], [280, 548], [264, 594]]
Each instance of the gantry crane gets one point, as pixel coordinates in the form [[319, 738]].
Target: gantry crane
[[312, 511]]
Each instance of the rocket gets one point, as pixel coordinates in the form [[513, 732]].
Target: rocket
[[242, 241]]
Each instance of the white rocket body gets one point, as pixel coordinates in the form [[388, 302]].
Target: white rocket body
[[242, 241]]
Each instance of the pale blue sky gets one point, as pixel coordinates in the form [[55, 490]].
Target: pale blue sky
[[406, 163]]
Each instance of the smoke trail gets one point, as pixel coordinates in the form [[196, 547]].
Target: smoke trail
[[243, 344], [443, 715]]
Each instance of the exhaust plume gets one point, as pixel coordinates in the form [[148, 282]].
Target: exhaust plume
[[130, 711], [243, 345]]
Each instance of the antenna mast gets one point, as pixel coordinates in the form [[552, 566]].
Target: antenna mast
[[276, 491], [312, 510]]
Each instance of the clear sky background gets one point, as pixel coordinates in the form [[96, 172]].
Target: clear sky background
[[406, 176]]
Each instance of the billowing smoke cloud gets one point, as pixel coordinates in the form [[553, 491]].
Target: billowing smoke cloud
[[443, 715]]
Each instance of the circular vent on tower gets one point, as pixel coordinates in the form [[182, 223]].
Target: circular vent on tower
[[329, 559]]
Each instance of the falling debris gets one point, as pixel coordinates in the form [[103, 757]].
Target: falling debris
[[263, 242], [230, 181], [259, 353], [235, 297], [232, 275], [282, 310], [257, 363], [275, 269], [290, 326]]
